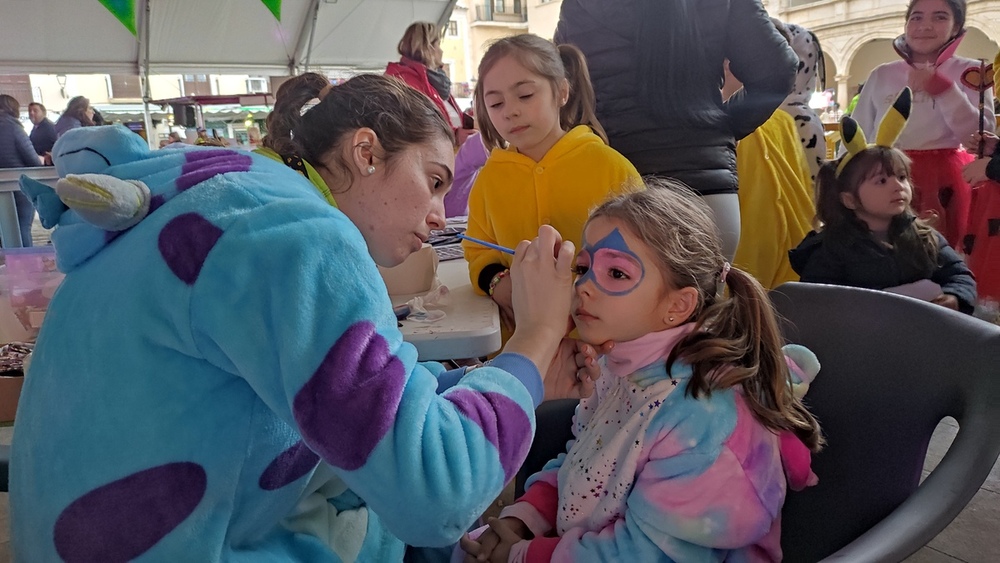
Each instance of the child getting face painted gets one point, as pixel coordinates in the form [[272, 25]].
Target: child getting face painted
[[684, 448]]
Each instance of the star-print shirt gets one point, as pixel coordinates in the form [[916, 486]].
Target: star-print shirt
[[656, 475], [225, 381]]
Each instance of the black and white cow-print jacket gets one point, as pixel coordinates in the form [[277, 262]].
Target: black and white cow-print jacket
[[808, 125]]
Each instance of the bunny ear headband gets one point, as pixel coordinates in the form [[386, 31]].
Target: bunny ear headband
[[888, 129]]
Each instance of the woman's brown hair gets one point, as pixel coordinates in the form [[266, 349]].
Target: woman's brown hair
[[554, 64], [736, 341], [10, 106], [399, 115], [418, 43], [77, 108]]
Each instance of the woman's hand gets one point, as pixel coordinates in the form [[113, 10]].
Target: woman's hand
[[574, 370], [542, 288], [461, 135]]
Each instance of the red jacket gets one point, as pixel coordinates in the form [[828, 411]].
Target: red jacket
[[414, 74]]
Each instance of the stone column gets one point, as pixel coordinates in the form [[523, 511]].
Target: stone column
[[844, 92]]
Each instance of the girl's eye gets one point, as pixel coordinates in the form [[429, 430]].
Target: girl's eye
[[526, 96], [496, 105], [437, 183], [618, 274], [580, 270]]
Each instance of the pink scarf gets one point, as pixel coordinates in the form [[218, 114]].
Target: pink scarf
[[628, 357]]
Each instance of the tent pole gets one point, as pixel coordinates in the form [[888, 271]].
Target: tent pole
[[446, 15], [300, 45], [312, 33], [146, 96]]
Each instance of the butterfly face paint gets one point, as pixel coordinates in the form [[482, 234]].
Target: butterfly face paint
[[613, 267]]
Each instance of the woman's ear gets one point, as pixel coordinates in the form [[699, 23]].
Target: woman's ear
[[681, 304], [364, 145], [848, 200], [563, 91]]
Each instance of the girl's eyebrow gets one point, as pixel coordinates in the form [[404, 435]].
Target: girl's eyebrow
[[521, 83]]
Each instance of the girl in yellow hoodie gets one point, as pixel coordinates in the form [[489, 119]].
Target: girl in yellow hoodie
[[550, 162]]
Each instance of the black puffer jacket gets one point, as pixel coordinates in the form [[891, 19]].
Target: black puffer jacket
[[15, 148], [703, 156], [871, 265]]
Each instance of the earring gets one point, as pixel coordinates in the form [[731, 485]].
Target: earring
[[671, 319], [371, 169]]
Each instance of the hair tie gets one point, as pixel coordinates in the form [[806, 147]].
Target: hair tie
[[725, 272], [315, 101]]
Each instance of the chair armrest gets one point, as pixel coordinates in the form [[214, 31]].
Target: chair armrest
[[938, 500]]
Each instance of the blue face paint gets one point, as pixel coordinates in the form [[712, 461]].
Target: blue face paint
[[611, 265]]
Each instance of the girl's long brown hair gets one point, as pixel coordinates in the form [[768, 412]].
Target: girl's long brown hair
[[736, 341]]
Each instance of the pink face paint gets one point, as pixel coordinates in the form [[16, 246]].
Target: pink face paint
[[611, 265]]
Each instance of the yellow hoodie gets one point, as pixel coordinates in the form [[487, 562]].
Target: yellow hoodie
[[514, 195]]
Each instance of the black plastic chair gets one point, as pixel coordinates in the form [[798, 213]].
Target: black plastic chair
[[892, 368]]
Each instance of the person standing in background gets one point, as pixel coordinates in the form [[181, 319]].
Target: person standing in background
[[421, 68], [945, 111], [656, 68], [16, 152], [78, 114], [43, 133]]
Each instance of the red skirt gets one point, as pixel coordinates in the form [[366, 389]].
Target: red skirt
[[983, 242], [940, 195]]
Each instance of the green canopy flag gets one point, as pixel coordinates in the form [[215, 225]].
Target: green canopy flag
[[274, 6], [124, 10]]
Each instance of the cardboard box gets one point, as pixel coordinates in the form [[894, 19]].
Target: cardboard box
[[10, 392]]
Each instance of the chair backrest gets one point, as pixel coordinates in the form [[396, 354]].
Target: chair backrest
[[892, 368]]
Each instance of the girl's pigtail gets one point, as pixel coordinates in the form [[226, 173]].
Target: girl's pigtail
[[581, 105], [741, 333]]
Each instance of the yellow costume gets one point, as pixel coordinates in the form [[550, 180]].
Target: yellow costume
[[776, 201], [514, 195]]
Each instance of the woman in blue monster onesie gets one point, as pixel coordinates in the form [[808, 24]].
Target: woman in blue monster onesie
[[220, 375]]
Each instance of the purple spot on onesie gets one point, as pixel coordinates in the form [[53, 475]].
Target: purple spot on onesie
[[125, 518], [350, 403], [185, 243], [202, 165], [503, 421], [290, 464]]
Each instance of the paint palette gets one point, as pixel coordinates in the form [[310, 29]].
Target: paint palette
[[449, 252]]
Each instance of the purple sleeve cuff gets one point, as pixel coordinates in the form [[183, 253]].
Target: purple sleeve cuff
[[524, 370]]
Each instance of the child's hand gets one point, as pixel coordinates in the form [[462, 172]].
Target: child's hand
[[989, 142], [502, 297], [495, 542], [946, 300], [975, 171], [574, 370]]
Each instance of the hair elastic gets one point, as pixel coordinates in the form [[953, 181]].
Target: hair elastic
[[725, 272]]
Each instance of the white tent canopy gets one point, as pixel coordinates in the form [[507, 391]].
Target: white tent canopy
[[207, 36]]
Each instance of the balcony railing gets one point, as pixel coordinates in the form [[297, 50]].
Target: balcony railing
[[488, 14]]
